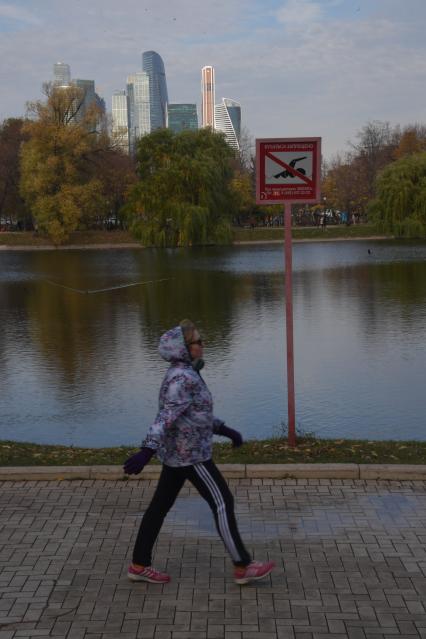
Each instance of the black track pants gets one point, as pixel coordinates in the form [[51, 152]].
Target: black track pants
[[209, 482]]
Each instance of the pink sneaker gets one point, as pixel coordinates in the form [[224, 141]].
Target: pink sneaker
[[147, 573], [254, 571]]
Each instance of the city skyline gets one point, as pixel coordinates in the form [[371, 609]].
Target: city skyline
[[301, 67], [143, 106]]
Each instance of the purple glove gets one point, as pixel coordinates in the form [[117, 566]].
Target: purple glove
[[136, 463], [233, 435]]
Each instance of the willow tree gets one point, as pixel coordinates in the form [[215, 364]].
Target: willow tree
[[58, 182], [184, 194], [400, 204]]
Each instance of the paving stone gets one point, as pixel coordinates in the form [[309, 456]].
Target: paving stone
[[350, 554]]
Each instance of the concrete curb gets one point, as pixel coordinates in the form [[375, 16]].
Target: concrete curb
[[303, 471], [399, 472]]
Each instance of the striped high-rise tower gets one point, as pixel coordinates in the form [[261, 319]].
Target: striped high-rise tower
[[228, 120], [207, 96]]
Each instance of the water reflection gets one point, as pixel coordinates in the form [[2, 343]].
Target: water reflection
[[83, 368], [307, 518]]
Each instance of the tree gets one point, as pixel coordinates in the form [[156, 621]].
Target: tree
[[12, 207], [184, 194], [58, 179], [413, 140], [345, 183], [242, 185], [116, 172], [400, 204], [247, 152], [375, 149], [350, 181]]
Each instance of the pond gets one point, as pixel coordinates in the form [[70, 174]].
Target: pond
[[83, 369]]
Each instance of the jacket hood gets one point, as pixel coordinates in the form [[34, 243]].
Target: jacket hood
[[172, 346]]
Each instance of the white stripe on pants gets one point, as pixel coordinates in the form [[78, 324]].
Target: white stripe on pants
[[223, 524]]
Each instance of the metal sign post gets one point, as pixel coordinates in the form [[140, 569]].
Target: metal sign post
[[288, 171], [288, 253]]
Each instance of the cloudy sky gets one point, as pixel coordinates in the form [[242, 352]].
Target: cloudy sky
[[298, 67]]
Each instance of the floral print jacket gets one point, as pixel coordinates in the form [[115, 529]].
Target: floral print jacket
[[182, 432]]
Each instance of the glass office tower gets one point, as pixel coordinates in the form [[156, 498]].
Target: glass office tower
[[120, 120], [89, 96], [182, 117], [228, 120], [61, 74], [153, 66], [139, 107]]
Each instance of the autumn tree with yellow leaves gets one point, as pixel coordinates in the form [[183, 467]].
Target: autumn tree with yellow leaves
[[59, 181]]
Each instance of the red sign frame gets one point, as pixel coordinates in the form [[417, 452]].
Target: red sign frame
[[308, 188]]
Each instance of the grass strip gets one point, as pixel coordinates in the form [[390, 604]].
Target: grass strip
[[269, 451], [308, 233], [263, 234], [79, 238]]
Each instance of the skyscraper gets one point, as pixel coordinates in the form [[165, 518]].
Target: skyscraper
[[139, 106], [120, 120], [207, 96], [100, 103], [89, 96], [153, 66], [182, 117], [61, 74], [228, 120]]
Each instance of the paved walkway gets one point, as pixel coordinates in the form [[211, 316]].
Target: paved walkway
[[351, 558]]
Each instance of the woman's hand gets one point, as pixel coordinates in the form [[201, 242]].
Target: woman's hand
[[232, 434], [136, 463]]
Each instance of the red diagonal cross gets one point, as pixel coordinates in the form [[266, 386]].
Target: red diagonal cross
[[290, 169]]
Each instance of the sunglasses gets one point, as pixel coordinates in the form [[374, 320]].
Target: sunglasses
[[199, 342]]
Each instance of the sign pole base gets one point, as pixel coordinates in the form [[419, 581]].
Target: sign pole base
[[289, 326]]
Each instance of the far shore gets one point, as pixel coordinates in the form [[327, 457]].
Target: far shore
[[136, 245], [68, 247], [319, 239]]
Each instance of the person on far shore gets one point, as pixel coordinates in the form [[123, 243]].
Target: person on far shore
[[181, 437]]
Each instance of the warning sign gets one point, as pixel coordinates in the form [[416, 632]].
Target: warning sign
[[288, 169]]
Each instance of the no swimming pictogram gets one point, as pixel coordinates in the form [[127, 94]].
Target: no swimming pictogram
[[302, 172]]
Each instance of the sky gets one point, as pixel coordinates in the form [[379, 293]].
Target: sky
[[298, 67]]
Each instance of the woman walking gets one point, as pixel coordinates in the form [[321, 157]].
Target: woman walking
[[181, 437]]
